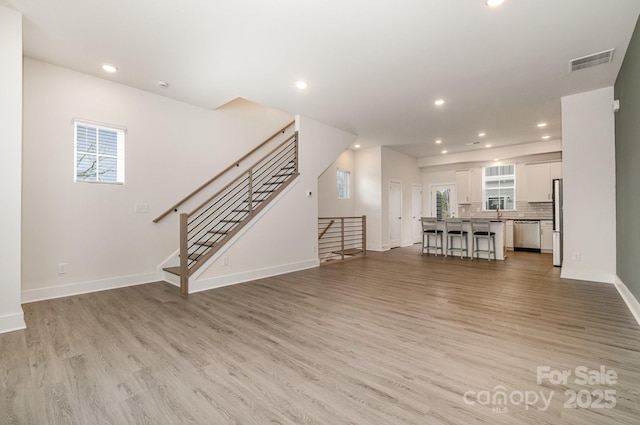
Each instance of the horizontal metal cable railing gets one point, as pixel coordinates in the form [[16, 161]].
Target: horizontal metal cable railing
[[341, 237], [215, 221]]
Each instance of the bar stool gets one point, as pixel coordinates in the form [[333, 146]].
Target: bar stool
[[454, 230], [429, 229], [480, 229]]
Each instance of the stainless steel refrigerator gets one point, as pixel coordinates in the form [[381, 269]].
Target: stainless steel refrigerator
[[557, 222]]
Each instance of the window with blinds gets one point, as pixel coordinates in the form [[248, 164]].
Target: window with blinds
[[99, 153], [344, 183], [499, 187]]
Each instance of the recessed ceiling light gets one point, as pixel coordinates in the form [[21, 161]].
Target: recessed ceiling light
[[109, 68], [546, 137], [301, 85], [163, 84], [496, 159], [482, 134], [356, 146], [494, 3], [487, 145], [542, 124], [444, 151], [439, 102], [438, 141]]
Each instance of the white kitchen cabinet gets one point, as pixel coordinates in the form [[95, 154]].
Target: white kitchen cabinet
[[508, 235], [463, 186], [540, 181], [546, 236]]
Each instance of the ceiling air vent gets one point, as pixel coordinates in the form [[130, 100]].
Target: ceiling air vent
[[592, 60]]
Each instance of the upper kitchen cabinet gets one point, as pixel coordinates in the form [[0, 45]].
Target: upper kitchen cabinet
[[463, 186], [540, 180]]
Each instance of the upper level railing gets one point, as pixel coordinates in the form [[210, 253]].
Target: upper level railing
[[341, 237], [235, 164]]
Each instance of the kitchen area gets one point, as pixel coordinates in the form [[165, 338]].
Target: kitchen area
[[527, 200]]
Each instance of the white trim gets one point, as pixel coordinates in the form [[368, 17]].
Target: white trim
[[40, 294], [232, 279], [588, 275], [12, 322], [406, 243], [629, 299]]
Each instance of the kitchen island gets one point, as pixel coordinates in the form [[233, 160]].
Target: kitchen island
[[497, 227]]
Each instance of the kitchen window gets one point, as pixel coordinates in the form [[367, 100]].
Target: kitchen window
[[99, 153], [499, 187]]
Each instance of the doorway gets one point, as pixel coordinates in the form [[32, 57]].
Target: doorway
[[416, 213], [443, 201], [395, 214]]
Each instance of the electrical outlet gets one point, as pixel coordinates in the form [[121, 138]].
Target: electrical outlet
[[62, 268], [463, 210], [575, 256], [225, 261]]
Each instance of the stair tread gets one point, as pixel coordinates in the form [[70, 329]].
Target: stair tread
[[230, 221], [172, 270], [206, 243], [194, 256], [264, 191], [218, 232]]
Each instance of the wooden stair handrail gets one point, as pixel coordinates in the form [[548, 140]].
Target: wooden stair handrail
[[241, 176], [230, 167], [325, 229]]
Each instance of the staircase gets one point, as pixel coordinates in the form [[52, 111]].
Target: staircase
[[207, 228]]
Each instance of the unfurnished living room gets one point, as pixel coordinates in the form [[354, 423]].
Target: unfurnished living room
[[290, 212]]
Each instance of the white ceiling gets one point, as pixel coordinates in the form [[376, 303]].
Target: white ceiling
[[374, 67]]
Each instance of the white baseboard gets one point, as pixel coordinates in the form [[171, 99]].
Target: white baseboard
[[40, 294], [232, 279], [588, 275], [12, 322], [629, 299]]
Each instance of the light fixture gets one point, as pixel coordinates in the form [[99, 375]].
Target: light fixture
[[482, 134], [496, 159], [438, 141], [494, 3], [356, 146], [439, 102], [163, 84], [109, 68], [301, 85], [542, 124], [444, 151], [487, 145], [546, 137]]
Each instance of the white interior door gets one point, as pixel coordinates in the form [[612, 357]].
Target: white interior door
[[395, 214], [416, 213], [443, 201]]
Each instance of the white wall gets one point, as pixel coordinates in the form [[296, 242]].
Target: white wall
[[11, 317], [328, 203], [368, 200], [171, 148], [588, 136], [402, 168], [286, 238]]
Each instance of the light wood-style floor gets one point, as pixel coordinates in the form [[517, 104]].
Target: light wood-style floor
[[391, 339]]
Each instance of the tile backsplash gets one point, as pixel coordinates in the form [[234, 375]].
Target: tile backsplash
[[524, 210]]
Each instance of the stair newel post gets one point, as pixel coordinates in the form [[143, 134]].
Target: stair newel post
[[184, 253], [342, 237], [364, 235]]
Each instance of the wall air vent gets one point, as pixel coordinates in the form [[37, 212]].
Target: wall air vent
[[592, 60]]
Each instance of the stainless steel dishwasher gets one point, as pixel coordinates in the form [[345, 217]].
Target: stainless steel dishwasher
[[526, 235]]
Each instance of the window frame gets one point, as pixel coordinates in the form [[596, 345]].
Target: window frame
[[346, 186], [119, 156], [500, 197]]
